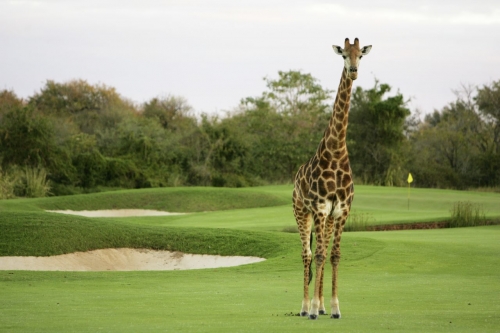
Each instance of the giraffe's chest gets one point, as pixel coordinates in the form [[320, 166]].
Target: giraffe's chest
[[329, 190]]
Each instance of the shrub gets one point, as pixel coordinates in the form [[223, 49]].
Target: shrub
[[35, 183], [358, 222], [355, 222], [8, 181], [466, 214]]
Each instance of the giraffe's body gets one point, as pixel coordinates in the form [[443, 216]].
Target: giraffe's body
[[324, 191]]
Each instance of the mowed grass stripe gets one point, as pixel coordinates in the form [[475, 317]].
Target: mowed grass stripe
[[381, 205]]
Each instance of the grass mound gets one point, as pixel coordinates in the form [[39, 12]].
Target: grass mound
[[183, 200], [44, 234]]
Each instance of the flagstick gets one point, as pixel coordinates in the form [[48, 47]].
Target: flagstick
[[409, 180]]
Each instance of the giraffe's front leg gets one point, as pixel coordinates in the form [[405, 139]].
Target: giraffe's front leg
[[328, 235], [317, 303], [335, 260], [319, 259], [334, 302], [322, 309]]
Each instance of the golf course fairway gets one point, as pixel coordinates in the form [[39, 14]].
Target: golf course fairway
[[439, 280]]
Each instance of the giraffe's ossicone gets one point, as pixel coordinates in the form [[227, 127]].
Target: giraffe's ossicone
[[324, 191]]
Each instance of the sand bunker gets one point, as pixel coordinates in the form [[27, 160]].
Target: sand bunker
[[115, 212], [123, 259]]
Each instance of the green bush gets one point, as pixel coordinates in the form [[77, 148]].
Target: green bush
[[358, 222], [8, 181], [466, 214], [35, 183]]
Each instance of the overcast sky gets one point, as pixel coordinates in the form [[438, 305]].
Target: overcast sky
[[214, 53]]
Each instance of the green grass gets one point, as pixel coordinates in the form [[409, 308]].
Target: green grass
[[43, 234], [174, 199], [405, 281], [411, 281], [230, 208], [380, 205], [390, 204]]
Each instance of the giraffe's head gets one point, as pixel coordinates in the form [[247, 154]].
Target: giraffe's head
[[352, 53]]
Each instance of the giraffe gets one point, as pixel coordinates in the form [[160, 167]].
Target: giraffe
[[323, 191]]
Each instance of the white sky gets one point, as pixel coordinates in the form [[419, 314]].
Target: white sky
[[215, 53]]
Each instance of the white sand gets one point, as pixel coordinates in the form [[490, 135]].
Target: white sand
[[123, 259], [115, 212]]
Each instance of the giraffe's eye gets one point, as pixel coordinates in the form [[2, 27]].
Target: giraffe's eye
[[343, 56], [360, 57]]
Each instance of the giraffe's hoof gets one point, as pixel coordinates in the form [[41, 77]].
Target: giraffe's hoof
[[304, 314], [335, 316], [322, 312], [313, 316]]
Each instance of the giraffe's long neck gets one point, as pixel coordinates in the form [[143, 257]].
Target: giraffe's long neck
[[334, 138]]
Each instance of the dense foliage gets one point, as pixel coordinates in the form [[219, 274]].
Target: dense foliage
[[75, 137], [377, 144], [459, 146]]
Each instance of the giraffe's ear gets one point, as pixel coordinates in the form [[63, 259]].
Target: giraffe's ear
[[366, 49], [337, 49]]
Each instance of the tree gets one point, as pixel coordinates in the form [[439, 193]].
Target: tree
[[444, 147], [28, 139], [454, 147], [296, 92], [284, 125], [89, 163], [172, 112], [219, 154], [143, 141], [8, 102], [91, 107], [488, 161], [376, 141], [488, 102]]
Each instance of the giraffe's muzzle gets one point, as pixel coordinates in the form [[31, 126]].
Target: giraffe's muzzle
[[353, 72]]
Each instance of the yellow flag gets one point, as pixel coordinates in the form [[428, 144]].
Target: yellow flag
[[410, 178]]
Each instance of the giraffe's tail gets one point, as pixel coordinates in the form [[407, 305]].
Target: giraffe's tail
[[310, 265]]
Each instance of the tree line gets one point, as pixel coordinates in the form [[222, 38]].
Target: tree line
[[76, 137]]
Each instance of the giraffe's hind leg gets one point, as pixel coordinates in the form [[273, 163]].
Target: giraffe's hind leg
[[304, 223], [307, 261]]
